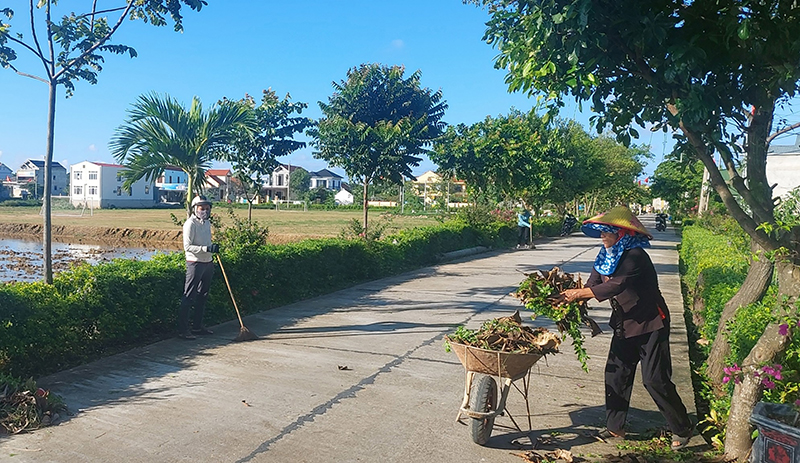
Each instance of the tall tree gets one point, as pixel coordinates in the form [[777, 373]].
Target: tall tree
[[73, 50], [377, 123], [160, 132], [678, 182], [253, 153], [299, 182], [712, 71]]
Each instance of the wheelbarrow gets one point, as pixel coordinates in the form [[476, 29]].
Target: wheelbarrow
[[481, 402]]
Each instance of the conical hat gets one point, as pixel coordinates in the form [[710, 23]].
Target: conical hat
[[620, 217]]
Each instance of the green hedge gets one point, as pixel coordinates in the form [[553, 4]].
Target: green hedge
[[714, 265], [92, 311]]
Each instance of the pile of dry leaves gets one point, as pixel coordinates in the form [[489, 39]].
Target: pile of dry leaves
[[506, 334]]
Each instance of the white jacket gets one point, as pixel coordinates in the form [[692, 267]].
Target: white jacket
[[196, 239]]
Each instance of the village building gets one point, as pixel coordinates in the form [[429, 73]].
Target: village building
[[32, 172], [783, 167], [218, 186], [99, 185], [171, 185]]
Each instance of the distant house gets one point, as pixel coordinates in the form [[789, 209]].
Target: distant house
[[6, 174], [326, 179], [218, 184], [430, 186], [276, 187], [99, 185], [344, 196], [32, 171], [171, 186], [783, 167]]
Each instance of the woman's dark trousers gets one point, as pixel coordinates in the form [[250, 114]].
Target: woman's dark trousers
[[198, 281], [652, 350]]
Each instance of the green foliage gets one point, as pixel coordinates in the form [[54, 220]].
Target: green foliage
[[160, 132], [536, 294], [377, 124], [678, 182], [92, 311], [299, 181], [523, 157], [714, 251], [718, 259], [253, 153]]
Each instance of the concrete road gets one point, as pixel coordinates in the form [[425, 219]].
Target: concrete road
[[357, 375]]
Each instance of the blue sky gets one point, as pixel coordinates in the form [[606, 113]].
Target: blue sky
[[234, 47]]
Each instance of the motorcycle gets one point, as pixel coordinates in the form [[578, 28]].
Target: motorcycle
[[569, 222], [661, 221]]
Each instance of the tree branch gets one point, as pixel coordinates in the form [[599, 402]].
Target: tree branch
[[94, 12], [782, 131], [32, 50], [40, 54], [98, 43], [747, 223], [28, 75]]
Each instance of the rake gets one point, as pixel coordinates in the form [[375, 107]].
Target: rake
[[244, 333]]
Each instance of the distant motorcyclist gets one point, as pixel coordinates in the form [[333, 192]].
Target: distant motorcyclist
[[569, 222], [661, 221]]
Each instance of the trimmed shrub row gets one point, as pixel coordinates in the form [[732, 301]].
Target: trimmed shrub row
[[92, 311]]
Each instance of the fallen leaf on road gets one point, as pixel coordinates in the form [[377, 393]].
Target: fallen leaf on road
[[246, 404], [344, 367]]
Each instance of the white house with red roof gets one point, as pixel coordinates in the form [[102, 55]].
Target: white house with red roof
[[172, 185], [99, 185]]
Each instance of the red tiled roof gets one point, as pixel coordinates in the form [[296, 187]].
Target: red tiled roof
[[218, 172]]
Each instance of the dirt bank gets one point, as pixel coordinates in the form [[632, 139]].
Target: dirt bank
[[125, 237], [97, 235]]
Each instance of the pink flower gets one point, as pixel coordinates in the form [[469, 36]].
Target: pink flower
[[728, 378], [768, 384], [783, 330]]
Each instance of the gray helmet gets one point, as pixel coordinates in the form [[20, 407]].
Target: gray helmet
[[200, 201]]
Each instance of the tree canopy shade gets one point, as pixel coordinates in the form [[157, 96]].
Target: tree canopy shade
[[521, 157], [377, 123], [253, 153], [73, 50], [160, 132], [678, 183], [712, 70]]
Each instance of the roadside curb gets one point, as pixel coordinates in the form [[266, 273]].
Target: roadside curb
[[452, 255]]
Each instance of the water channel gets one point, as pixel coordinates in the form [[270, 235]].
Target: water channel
[[21, 259]]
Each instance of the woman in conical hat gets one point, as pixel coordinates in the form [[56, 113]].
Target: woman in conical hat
[[624, 273]]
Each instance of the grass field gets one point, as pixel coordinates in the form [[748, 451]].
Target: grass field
[[283, 225]]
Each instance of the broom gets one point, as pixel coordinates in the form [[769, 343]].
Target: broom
[[244, 333]]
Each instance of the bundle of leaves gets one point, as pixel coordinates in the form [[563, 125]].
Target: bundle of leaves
[[506, 334], [539, 292], [24, 407]]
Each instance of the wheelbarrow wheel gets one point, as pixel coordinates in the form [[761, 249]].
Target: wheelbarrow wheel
[[484, 400]]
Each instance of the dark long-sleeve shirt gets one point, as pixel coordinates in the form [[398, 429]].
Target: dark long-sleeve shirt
[[639, 307]]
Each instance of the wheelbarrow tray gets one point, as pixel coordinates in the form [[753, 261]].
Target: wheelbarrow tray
[[512, 365]]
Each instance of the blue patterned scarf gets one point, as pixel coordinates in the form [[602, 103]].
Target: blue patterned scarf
[[608, 259]]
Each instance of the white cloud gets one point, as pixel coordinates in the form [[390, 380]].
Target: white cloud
[[1, 152], [92, 147], [398, 44]]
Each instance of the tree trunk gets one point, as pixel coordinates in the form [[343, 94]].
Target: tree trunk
[[770, 346], [366, 207], [189, 190], [755, 285], [48, 189]]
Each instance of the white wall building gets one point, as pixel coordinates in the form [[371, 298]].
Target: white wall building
[[783, 167], [344, 196], [326, 179], [99, 185]]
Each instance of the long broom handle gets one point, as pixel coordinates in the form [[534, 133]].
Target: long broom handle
[[230, 291]]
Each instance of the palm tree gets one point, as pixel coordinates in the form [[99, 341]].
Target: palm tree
[[160, 132]]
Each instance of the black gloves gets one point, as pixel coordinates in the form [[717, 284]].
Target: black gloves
[[214, 248]]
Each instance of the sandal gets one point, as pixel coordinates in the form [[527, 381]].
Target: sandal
[[609, 437], [679, 442]]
